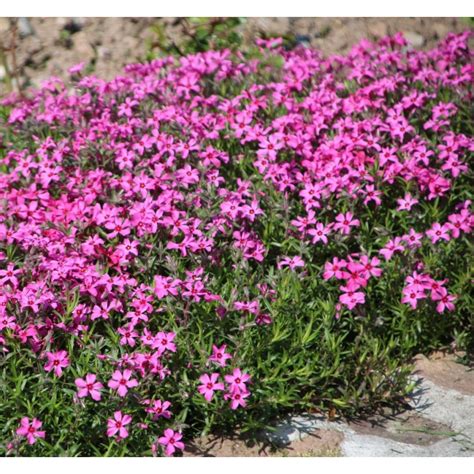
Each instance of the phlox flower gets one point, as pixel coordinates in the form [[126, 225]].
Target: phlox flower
[[335, 269], [30, 430], [391, 247], [57, 361], [128, 335], [171, 440], [237, 380], [319, 233], [293, 262], [352, 298], [411, 295], [406, 203], [445, 300], [344, 222], [164, 342], [371, 266], [116, 425], [121, 382], [8, 275], [438, 232], [209, 385], [237, 398], [219, 355], [165, 286], [89, 386], [413, 239], [159, 409]]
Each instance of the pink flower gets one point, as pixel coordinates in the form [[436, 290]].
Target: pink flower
[[334, 269], [209, 385], [352, 298], [159, 409], [413, 239], [320, 233], [171, 441], [89, 386], [344, 222], [237, 398], [237, 380], [438, 232], [219, 355], [293, 262], [406, 203], [165, 286], [445, 300], [122, 382], [411, 296], [117, 425], [164, 341], [391, 247], [8, 275], [371, 266], [57, 361], [30, 430]]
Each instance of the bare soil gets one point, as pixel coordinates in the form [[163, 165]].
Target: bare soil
[[46, 47]]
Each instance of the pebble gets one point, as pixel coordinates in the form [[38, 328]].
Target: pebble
[[24, 27], [415, 39]]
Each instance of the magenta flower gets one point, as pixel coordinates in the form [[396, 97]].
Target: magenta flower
[[57, 361], [438, 232], [411, 295], [117, 425], [293, 262], [89, 386], [30, 430], [319, 233], [344, 222], [237, 398], [237, 380], [209, 385], [159, 409], [171, 441], [121, 382], [219, 355], [445, 300]]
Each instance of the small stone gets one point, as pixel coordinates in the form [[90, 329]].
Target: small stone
[[24, 27], [415, 39], [104, 53], [378, 29], [4, 25], [83, 47], [3, 72]]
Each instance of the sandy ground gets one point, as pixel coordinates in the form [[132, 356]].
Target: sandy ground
[[48, 46]]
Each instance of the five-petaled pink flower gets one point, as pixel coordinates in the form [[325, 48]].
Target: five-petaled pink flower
[[237, 380], [171, 441], [219, 355], [209, 385], [117, 425], [30, 430], [121, 382], [57, 361], [89, 386]]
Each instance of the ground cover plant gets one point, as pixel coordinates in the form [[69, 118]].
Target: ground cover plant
[[208, 242]]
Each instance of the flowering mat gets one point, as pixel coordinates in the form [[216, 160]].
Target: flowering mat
[[212, 242]]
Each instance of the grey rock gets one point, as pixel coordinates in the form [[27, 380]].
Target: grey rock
[[445, 406], [415, 39], [378, 29], [24, 27]]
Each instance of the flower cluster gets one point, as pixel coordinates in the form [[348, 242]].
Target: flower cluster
[[146, 220]]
